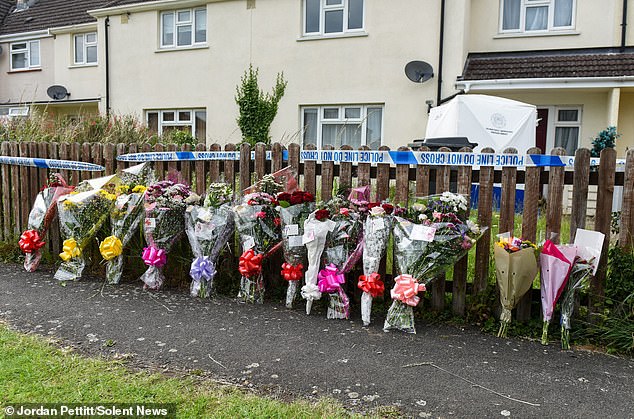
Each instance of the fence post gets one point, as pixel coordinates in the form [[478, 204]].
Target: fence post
[[199, 169], [345, 170], [230, 169], [293, 158], [529, 224], [555, 198], [86, 156], [245, 167], [363, 170], [402, 181], [602, 223], [459, 281], [260, 160], [97, 157], [42, 152], [580, 191], [507, 202], [212, 166], [6, 194], [25, 189], [382, 178], [422, 177], [172, 166], [485, 212], [438, 285], [53, 231], [310, 173], [327, 176], [186, 165], [277, 159], [627, 209]]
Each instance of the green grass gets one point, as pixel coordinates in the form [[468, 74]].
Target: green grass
[[33, 370]]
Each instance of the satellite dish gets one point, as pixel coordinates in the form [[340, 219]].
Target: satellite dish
[[57, 92], [419, 71]]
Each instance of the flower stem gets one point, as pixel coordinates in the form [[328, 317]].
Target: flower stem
[[545, 332]]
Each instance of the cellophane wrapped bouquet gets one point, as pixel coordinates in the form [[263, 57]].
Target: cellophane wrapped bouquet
[[260, 229], [377, 228], [294, 211], [40, 218], [515, 270], [342, 250], [431, 237], [125, 218], [165, 203], [82, 213], [209, 228]]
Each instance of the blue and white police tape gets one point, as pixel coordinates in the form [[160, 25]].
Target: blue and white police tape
[[51, 164], [430, 158]]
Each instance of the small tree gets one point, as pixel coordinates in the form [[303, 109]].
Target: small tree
[[257, 109], [605, 139]]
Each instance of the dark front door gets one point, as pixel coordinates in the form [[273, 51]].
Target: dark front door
[[541, 131]]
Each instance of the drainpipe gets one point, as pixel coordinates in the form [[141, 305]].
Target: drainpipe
[[106, 27], [440, 50], [624, 25]]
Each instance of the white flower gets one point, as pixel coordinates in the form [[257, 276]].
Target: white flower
[[192, 198], [419, 207], [376, 211], [473, 227], [422, 217]]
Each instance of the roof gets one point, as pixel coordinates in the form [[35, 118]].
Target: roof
[[590, 62], [46, 14], [5, 6], [114, 3]]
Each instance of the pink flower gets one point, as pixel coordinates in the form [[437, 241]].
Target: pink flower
[[344, 211], [466, 243], [437, 215], [260, 214]]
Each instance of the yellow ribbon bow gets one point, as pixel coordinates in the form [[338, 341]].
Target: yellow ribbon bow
[[111, 247], [70, 250]]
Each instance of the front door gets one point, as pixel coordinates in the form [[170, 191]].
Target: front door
[[541, 131]]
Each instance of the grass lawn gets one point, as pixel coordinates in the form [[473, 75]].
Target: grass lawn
[[35, 371]]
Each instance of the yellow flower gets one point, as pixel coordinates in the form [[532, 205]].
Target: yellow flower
[[107, 195], [68, 204], [139, 189], [73, 193], [70, 250], [111, 247], [123, 189]]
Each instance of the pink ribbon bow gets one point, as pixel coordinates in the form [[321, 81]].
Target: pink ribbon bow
[[154, 257], [330, 279], [405, 290]]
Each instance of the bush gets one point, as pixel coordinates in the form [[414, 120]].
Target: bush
[[605, 139]]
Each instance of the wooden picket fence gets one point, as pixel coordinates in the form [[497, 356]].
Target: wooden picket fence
[[20, 185]]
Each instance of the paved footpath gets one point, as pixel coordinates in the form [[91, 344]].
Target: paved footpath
[[440, 372]]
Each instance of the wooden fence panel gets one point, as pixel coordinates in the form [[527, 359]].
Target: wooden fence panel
[[75, 153], [382, 179], [507, 203], [97, 158], [15, 190], [529, 225], [186, 166], [25, 189], [35, 175], [327, 177], [345, 171], [460, 270], [86, 156], [485, 215], [422, 177], [53, 232], [627, 212], [214, 167], [260, 160], [363, 170], [603, 219], [229, 166], [402, 181], [7, 207], [277, 163], [555, 199], [310, 173], [172, 166], [108, 156], [245, 163], [580, 192], [293, 159], [439, 285], [199, 171], [64, 154], [159, 166]]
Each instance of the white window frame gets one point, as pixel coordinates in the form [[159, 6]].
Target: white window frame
[[323, 8], [85, 47], [551, 17], [191, 122], [191, 23], [554, 123], [362, 120], [29, 57]]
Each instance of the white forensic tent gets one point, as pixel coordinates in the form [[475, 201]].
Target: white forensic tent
[[489, 121]]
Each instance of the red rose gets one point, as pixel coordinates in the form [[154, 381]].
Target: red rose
[[297, 198], [277, 221], [260, 214], [309, 197], [284, 196], [388, 208], [373, 204], [322, 214]]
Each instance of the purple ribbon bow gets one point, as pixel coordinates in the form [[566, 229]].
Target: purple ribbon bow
[[154, 257], [202, 267]]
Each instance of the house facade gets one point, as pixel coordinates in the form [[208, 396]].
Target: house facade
[[176, 64]]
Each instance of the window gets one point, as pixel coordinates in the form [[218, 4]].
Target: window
[[193, 121], [85, 46], [567, 126], [353, 125], [25, 55], [183, 28], [536, 15], [325, 17]]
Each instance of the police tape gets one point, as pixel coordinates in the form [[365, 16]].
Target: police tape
[[51, 164], [429, 158]]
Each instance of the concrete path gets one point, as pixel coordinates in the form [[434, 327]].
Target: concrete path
[[440, 372]]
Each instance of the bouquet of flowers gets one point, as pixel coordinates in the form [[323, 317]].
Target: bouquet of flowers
[[430, 238], [556, 263], [208, 227], [40, 217], [294, 211], [125, 218], [343, 248], [376, 231], [259, 227], [81, 214], [316, 229], [165, 204], [589, 245], [515, 269]]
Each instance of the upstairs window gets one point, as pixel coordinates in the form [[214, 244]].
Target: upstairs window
[[328, 17], [183, 28], [85, 46], [25, 55], [537, 15], [353, 125]]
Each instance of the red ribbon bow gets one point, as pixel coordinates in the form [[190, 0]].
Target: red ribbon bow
[[292, 272], [250, 264], [371, 284], [30, 241], [405, 290]]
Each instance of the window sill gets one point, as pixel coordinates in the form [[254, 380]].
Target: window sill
[[331, 36], [535, 34], [83, 66], [189, 48], [26, 70]]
